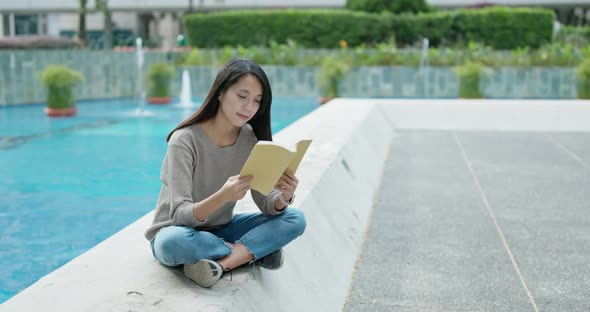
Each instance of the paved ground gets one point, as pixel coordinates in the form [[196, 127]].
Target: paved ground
[[479, 221]]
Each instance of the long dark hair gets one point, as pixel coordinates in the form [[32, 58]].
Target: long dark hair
[[229, 74]]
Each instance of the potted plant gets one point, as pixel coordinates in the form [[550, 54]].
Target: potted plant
[[584, 80], [158, 84], [470, 75], [60, 82], [331, 72]]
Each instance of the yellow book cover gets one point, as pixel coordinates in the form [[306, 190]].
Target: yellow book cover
[[267, 162]]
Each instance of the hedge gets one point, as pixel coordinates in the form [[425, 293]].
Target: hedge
[[393, 6], [497, 27], [310, 28], [505, 28], [409, 28]]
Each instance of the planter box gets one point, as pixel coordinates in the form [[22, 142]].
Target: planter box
[[159, 100], [60, 112], [115, 74]]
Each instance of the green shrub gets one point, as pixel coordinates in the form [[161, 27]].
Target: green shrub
[[437, 27], [584, 80], [501, 28], [444, 57], [556, 55], [470, 75], [518, 57], [504, 28], [309, 28], [285, 54], [199, 57], [576, 36], [331, 72], [159, 77], [382, 55], [60, 82], [388, 54], [498, 27], [393, 6]]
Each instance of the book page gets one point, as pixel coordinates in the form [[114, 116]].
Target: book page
[[266, 165], [301, 149]]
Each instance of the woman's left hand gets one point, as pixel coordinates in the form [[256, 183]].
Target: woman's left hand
[[287, 185]]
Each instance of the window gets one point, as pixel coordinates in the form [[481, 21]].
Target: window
[[26, 24]]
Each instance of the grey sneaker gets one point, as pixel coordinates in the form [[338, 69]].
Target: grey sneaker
[[205, 272], [272, 261]]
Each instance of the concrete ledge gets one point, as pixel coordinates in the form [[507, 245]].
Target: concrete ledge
[[339, 177]]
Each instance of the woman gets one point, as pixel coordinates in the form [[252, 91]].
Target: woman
[[194, 223]]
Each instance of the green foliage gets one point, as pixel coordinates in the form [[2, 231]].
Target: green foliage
[[470, 75], [497, 27], [388, 54], [59, 76], [500, 28], [556, 55], [284, 53], [103, 5], [60, 82], [309, 28], [159, 77], [393, 6], [410, 28], [584, 79], [277, 54], [199, 57], [331, 72], [504, 28], [519, 57], [444, 57], [572, 35], [437, 27]]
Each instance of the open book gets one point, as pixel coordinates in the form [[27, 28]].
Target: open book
[[268, 161]]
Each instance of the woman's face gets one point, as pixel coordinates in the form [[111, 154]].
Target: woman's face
[[240, 102]]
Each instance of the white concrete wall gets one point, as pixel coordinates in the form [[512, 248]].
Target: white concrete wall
[[53, 24], [338, 179], [169, 29], [125, 20], [146, 5], [95, 21]]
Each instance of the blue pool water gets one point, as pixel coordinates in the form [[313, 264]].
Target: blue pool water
[[67, 184]]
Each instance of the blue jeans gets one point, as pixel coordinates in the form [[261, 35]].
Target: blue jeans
[[262, 235]]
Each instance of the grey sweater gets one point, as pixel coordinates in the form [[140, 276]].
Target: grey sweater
[[193, 169]]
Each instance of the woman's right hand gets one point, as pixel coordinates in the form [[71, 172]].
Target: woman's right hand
[[235, 188]]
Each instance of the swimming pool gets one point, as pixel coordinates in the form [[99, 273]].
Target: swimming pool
[[69, 183]]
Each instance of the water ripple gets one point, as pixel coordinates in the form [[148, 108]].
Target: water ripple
[[9, 142]]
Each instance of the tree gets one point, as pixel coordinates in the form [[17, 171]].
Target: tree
[[82, 23], [103, 5], [394, 6]]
